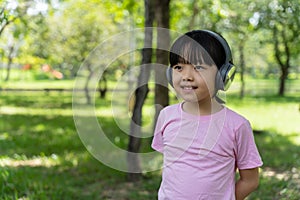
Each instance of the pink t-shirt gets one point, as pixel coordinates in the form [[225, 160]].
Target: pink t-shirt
[[202, 153]]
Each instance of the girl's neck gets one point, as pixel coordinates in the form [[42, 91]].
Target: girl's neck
[[202, 108]]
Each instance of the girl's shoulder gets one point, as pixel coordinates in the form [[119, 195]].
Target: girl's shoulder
[[234, 114], [235, 119], [171, 109]]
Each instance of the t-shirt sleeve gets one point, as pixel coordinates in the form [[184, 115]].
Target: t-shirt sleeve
[[157, 142], [246, 150]]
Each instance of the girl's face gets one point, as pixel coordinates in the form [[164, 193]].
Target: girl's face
[[194, 83]]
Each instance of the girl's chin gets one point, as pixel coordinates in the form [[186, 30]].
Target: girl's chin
[[194, 99], [189, 99]]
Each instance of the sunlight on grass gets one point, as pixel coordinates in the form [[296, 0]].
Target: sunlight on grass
[[11, 110], [104, 112], [21, 160], [41, 84], [36, 161], [276, 117], [282, 118]]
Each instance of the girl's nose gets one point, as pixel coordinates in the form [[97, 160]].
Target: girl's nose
[[187, 74]]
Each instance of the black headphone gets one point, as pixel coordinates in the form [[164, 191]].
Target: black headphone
[[227, 71]]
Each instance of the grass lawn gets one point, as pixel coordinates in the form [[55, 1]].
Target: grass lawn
[[42, 157]]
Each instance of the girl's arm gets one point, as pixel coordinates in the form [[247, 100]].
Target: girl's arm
[[247, 183]]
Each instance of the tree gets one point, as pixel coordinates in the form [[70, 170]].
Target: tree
[[236, 24], [202, 14], [162, 16], [27, 30], [161, 90], [11, 52], [140, 95], [9, 12], [281, 19], [12, 16], [77, 32]]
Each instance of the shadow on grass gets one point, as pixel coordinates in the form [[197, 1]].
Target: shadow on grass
[[38, 134], [280, 175], [42, 157], [36, 100], [85, 179]]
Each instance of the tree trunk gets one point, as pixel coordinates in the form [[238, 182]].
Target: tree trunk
[[102, 86], [283, 77], [141, 92], [86, 86], [283, 58], [242, 66], [194, 15], [10, 58], [163, 42]]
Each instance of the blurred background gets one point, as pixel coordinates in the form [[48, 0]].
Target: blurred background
[[43, 44]]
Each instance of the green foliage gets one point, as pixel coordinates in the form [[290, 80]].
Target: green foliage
[[68, 31], [65, 35], [280, 20]]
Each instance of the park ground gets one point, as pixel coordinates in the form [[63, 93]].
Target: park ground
[[42, 157]]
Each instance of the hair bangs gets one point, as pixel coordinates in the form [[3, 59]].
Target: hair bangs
[[187, 51]]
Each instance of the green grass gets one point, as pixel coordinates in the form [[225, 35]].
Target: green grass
[[269, 112], [42, 157]]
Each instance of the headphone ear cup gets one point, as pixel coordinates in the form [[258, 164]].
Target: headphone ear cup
[[219, 85], [169, 75], [225, 76], [229, 76]]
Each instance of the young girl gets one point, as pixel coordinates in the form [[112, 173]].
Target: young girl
[[204, 142]]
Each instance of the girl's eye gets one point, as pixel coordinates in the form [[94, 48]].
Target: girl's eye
[[177, 67], [199, 67]]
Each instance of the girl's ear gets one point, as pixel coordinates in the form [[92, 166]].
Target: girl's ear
[[169, 75]]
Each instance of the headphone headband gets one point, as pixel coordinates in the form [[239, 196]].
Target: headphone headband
[[224, 44]]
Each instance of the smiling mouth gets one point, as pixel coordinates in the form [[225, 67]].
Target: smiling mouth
[[189, 87]]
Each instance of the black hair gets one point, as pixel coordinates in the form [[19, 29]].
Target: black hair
[[196, 47]]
